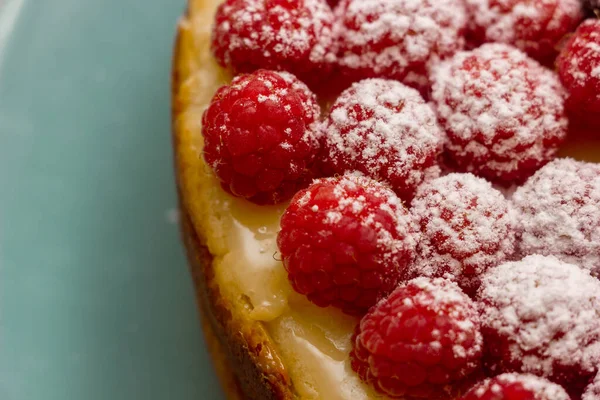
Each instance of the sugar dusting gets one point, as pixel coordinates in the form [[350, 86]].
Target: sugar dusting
[[273, 33], [540, 388], [533, 26], [546, 310], [384, 129], [398, 38], [559, 213], [502, 110], [467, 227]]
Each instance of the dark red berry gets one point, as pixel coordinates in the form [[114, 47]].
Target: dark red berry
[[419, 342], [258, 136], [346, 242], [516, 387], [579, 70]]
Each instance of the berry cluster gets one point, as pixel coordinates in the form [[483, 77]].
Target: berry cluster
[[473, 290]]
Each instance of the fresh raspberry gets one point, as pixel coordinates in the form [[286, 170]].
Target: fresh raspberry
[[579, 70], [288, 35], [467, 226], [503, 112], [385, 130], [397, 39], [536, 27], [592, 391], [420, 341], [346, 242], [559, 213], [258, 136], [542, 316], [516, 387]]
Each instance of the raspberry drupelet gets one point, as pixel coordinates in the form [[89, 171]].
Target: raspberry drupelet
[[579, 71], [420, 341], [536, 27], [258, 136], [559, 213], [346, 242], [516, 387], [397, 39], [503, 112], [467, 227], [385, 130], [542, 316], [290, 35], [592, 391]]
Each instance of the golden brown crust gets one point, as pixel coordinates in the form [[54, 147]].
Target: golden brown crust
[[248, 349]]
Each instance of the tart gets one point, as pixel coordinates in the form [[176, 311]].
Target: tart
[[270, 338]]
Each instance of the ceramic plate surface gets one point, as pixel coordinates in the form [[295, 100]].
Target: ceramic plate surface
[[96, 301]]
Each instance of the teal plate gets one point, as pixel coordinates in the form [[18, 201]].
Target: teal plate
[[96, 301]]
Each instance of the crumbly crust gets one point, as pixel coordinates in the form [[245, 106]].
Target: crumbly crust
[[248, 349]]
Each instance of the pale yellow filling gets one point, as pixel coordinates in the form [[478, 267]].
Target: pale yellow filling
[[313, 342]]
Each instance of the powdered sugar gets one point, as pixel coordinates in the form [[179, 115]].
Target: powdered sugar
[[467, 227], [504, 113], [294, 36], [579, 70], [533, 26], [385, 130], [543, 317], [538, 388], [559, 211], [404, 238], [398, 38]]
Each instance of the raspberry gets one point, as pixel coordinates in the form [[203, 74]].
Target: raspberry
[[541, 316], [516, 387], [397, 39], [467, 226], [346, 242], [559, 213], [503, 112], [385, 130], [419, 341], [579, 70], [536, 27], [258, 136], [288, 35], [592, 391]]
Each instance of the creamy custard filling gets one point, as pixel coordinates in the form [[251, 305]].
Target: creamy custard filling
[[313, 342]]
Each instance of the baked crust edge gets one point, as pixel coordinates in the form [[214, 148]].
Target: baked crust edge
[[247, 362]]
